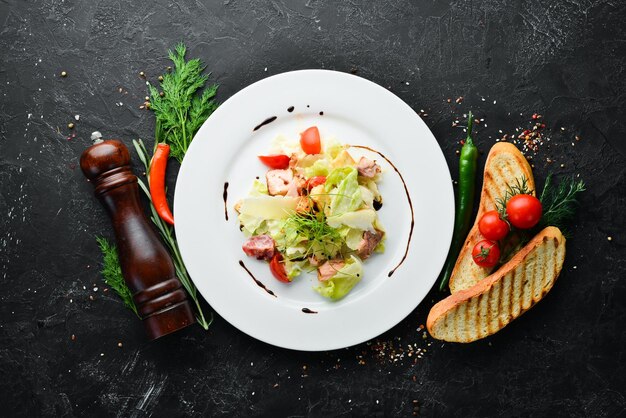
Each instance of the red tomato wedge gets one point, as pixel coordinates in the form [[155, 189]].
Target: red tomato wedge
[[310, 141], [315, 181], [276, 161], [278, 269]]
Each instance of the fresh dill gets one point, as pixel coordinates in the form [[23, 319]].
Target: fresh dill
[[179, 107], [560, 202], [112, 272], [520, 187]]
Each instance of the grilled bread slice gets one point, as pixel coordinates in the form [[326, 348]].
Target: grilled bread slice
[[505, 166], [494, 302]]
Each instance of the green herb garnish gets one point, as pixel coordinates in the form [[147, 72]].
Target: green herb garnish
[[520, 187], [322, 239], [560, 202], [180, 110], [112, 272]]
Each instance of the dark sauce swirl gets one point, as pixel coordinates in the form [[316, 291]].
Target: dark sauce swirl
[[258, 282], [225, 196], [265, 122], [406, 190]]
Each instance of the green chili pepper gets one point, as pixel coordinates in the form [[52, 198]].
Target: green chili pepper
[[464, 202]]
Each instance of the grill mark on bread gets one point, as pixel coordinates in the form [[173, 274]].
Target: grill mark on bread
[[511, 292], [465, 315]]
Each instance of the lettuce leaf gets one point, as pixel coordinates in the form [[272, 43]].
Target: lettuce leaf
[[346, 196], [343, 281]]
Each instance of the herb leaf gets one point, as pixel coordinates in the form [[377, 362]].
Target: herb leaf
[[112, 272], [560, 202], [520, 187], [180, 111]]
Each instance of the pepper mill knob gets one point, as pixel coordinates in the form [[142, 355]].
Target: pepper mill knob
[[146, 265]]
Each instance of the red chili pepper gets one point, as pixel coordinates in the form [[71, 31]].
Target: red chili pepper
[[157, 183]]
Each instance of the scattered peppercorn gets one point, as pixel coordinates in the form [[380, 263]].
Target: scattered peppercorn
[[63, 73], [160, 78], [142, 74], [70, 125]]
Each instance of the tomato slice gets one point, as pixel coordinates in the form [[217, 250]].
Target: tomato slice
[[278, 268], [276, 161], [310, 141], [315, 181]]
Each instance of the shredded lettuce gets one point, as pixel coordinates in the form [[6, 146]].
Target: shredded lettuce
[[258, 188], [332, 148], [343, 281], [332, 231], [318, 168], [346, 197]]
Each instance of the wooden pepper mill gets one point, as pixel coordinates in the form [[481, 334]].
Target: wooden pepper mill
[[146, 265]]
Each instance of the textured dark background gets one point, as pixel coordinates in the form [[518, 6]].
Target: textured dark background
[[563, 59]]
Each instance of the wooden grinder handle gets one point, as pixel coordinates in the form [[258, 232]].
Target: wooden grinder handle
[[146, 265]]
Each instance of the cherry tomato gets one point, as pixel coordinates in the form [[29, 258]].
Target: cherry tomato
[[486, 253], [315, 181], [492, 226], [276, 161], [310, 141], [278, 268], [523, 211]]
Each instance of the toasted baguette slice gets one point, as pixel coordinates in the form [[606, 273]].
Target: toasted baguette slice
[[505, 165], [497, 300]]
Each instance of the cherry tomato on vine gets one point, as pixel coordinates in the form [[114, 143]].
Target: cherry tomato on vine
[[486, 253], [492, 226], [276, 161], [278, 268], [310, 141], [523, 211]]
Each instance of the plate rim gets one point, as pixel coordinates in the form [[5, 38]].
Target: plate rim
[[449, 192]]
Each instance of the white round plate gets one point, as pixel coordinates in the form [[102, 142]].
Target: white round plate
[[355, 111]]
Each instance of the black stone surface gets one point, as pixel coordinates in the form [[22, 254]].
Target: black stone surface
[[563, 59]]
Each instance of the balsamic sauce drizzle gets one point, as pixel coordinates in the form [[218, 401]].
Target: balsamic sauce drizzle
[[265, 122], [258, 282], [225, 196], [406, 190], [307, 310]]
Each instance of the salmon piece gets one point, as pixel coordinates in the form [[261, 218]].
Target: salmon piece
[[278, 181], [295, 187], [369, 241], [260, 246], [367, 168], [329, 269]]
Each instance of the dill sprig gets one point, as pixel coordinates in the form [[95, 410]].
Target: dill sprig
[[520, 187], [318, 233], [560, 202], [180, 110], [112, 272]]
